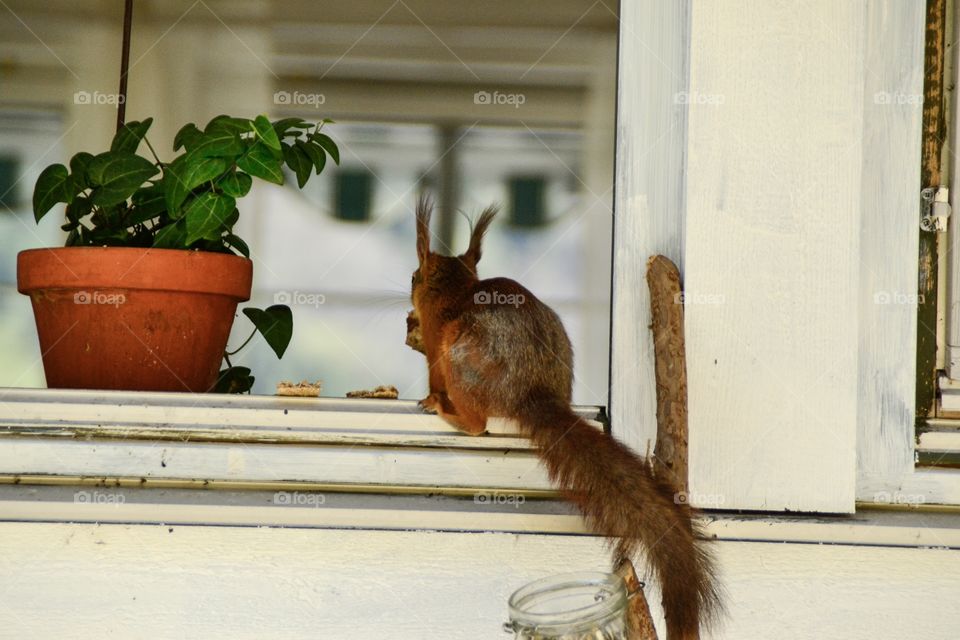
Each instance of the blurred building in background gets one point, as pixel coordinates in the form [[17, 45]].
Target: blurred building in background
[[472, 102]]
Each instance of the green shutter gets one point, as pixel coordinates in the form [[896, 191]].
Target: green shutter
[[527, 207], [9, 173], [353, 195]]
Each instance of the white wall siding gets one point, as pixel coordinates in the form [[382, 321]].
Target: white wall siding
[[781, 151], [181, 582]]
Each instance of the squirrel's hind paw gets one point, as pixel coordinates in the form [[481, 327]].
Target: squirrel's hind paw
[[431, 404]]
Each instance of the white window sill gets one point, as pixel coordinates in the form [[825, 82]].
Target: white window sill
[[118, 457], [267, 442], [187, 507]]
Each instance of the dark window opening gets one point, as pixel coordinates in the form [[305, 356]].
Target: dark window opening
[[9, 174], [527, 206], [353, 196]]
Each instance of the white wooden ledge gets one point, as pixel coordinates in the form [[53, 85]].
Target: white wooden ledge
[[171, 438], [124, 505]]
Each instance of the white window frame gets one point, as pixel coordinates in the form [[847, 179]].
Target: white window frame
[[857, 446], [887, 439], [863, 451]]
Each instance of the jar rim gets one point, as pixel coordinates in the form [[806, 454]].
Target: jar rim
[[523, 601]]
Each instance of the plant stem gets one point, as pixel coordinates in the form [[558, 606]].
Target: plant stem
[[124, 63], [159, 164], [245, 343]]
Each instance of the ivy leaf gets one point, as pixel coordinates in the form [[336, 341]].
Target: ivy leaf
[[218, 142], [75, 238], [260, 161], [315, 153], [110, 237], [78, 169], [148, 203], [117, 175], [237, 243], [275, 324], [52, 186], [282, 126], [172, 236], [328, 145], [236, 184], [78, 209], [224, 123], [264, 130], [129, 137], [186, 173], [205, 216], [297, 160], [234, 380], [187, 137]]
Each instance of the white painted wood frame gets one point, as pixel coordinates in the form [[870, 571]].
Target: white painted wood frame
[[886, 438], [181, 439], [782, 175], [940, 441]]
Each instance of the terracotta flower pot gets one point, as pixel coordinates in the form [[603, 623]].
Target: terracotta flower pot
[[136, 319]]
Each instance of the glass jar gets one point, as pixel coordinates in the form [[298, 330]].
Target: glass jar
[[570, 606]]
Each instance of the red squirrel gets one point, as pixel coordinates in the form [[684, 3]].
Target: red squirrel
[[494, 349]]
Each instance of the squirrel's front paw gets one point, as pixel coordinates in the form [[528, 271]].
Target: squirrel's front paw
[[430, 404]]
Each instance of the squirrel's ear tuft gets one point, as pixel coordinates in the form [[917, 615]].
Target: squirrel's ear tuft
[[424, 209], [479, 229]]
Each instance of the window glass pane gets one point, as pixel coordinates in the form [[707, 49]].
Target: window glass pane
[[474, 107], [28, 138]]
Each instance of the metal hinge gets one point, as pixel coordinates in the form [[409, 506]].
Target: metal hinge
[[934, 208]]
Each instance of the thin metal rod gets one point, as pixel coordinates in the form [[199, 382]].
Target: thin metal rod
[[124, 63], [449, 187]]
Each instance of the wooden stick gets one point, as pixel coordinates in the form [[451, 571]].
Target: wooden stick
[[666, 306], [124, 63], [638, 612]]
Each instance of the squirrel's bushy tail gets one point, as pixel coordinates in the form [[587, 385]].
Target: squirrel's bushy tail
[[620, 498]]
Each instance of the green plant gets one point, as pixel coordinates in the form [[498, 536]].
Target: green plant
[[275, 324], [120, 198]]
